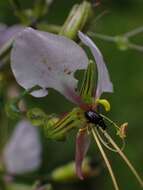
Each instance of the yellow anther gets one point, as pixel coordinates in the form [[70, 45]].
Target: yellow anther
[[123, 130], [104, 103]]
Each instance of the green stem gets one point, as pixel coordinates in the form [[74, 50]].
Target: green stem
[[49, 27]]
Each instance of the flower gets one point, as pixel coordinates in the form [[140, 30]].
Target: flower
[[50, 61], [23, 151]]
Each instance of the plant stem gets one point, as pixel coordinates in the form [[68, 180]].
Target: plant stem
[[134, 32], [102, 36]]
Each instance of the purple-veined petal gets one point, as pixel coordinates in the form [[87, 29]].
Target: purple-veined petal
[[104, 83], [23, 151], [82, 145], [47, 60]]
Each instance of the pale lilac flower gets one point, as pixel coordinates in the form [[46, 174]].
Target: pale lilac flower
[[50, 61], [23, 151]]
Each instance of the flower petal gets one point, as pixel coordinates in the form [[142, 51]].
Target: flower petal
[[82, 145], [7, 35], [23, 152], [104, 84], [47, 60]]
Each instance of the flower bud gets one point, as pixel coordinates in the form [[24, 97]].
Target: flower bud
[[77, 19], [122, 42], [36, 116]]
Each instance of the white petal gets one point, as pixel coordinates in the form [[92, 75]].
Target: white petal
[[46, 60], [9, 32], [7, 36], [103, 84], [23, 151]]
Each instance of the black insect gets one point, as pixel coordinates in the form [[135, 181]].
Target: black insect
[[95, 118]]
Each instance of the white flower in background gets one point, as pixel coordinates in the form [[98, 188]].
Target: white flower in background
[[23, 151]]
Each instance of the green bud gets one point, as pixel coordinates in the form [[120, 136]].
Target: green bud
[[36, 116], [122, 42], [67, 173], [77, 19]]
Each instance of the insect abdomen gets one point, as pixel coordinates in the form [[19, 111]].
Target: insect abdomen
[[95, 118]]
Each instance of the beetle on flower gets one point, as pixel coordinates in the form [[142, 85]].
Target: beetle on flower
[[50, 61]]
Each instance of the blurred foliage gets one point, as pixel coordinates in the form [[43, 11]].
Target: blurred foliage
[[126, 70]]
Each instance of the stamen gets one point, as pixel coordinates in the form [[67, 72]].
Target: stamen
[[104, 143], [110, 121], [105, 159], [123, 156], [107, 146]]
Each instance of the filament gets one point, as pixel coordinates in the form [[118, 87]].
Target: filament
[[110, 121], [133, 170], [106, 143], [105, 159]]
